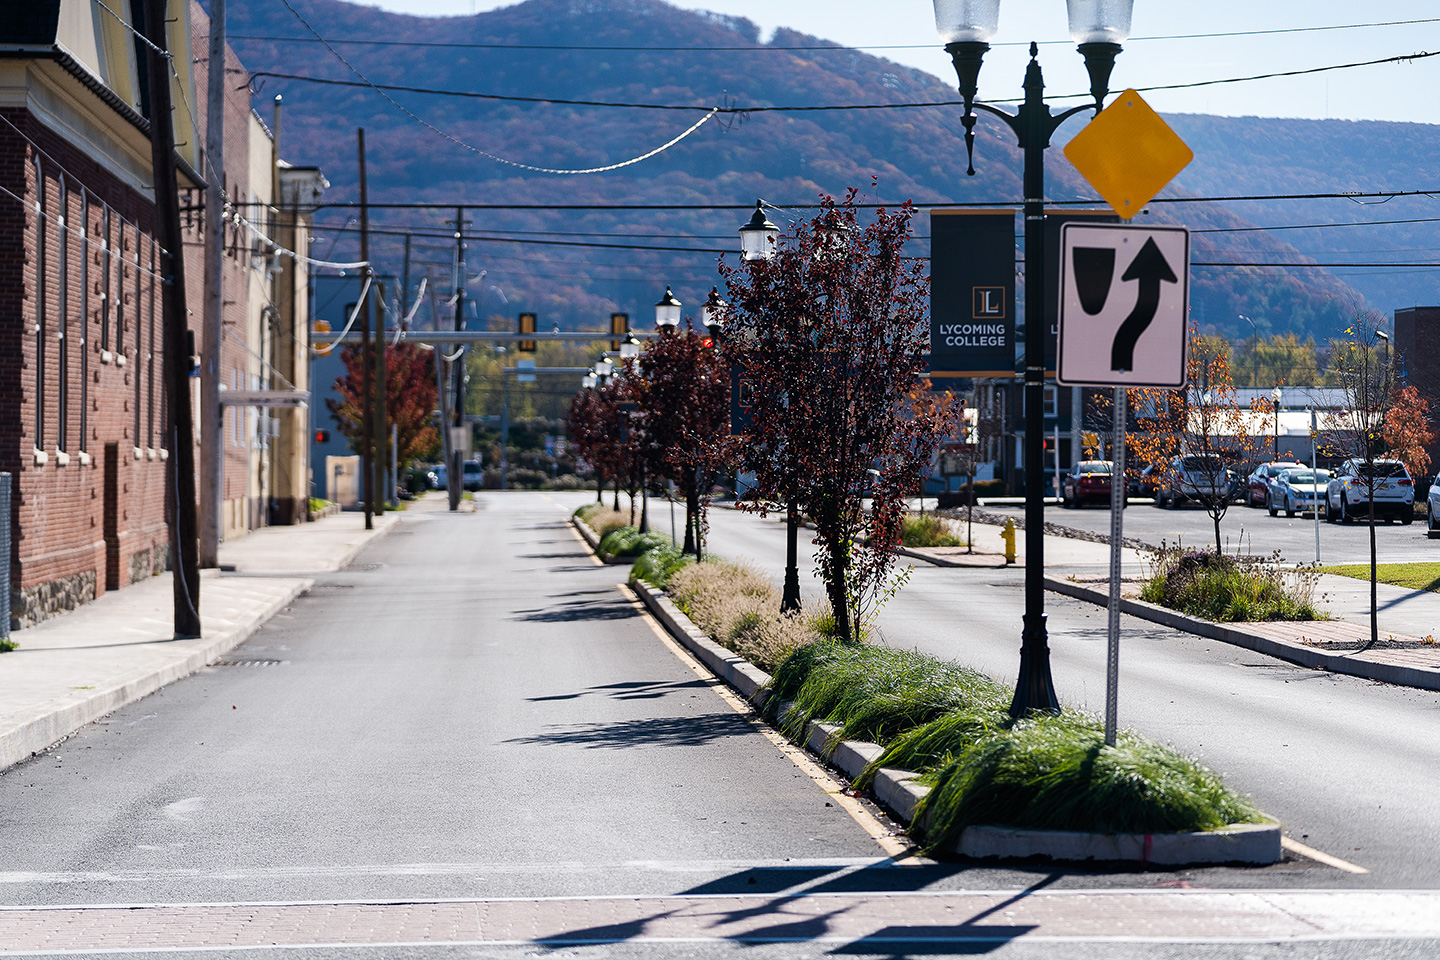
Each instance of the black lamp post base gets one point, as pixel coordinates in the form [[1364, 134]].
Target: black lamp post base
[[1034, 689]]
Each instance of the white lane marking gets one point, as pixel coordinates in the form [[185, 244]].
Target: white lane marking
[[882, 835]]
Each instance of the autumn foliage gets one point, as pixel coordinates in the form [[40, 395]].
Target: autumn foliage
[[828, 336], [410, 395]]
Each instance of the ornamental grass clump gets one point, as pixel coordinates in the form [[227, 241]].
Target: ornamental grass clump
[[602, 518], [657, 566], [740, 608], [629, 542], [1056, 773], [876, 693], [1226, 589], [927, 531]]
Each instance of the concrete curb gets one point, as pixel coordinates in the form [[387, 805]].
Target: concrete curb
[[1290, 652], [900, 790], [974, 561], [593, 539], [32, 736]]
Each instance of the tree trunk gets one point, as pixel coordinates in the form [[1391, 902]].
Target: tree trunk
[[1218, 549]]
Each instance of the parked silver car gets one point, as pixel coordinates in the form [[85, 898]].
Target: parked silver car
[[1296, 490], [1196, 477], [1432, 508], [1348, 496]]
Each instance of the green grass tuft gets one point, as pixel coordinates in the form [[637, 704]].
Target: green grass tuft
[[876, 693], [629, 542], [1056, 773], [658, 565], [927, 531]]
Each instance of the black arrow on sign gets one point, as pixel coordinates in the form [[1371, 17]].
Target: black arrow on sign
[[1149, 267]]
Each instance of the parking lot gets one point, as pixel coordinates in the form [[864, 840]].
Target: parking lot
[[1252, 531]]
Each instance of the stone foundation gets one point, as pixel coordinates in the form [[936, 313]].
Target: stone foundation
[[30, 605], [148, 562]]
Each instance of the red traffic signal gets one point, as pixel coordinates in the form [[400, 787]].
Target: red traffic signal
[[707, 342], [322, 436]]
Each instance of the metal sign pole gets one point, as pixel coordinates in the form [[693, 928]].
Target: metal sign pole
[[1117, 524], [1315, 476]]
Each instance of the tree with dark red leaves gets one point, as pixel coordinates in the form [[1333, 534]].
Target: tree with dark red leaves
[[594, 427], [828, 336], [684, 406]]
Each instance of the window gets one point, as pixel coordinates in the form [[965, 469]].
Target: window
[[120, 297], [1052, 402], [41, 293], [106, 302], [62, 260], [84, 336], [150, 351]]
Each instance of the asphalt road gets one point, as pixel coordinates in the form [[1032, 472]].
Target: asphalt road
[[474, 710], [1346, 764]]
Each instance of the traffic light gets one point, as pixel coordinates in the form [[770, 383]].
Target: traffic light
[[619, 326], [322, 436], [527, 325], [707, 342]]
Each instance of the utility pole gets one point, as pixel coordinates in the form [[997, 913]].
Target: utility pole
[[367, 389], [382, 432], [456, 478], [212, 449], [180, 466]]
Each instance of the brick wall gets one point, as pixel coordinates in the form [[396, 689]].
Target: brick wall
[[1417, 347]]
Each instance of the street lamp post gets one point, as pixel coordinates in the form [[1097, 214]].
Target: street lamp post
[[1277, 395], [1099, 28], [757, 242]]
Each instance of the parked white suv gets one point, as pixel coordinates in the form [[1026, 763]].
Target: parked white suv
[[1348, 496]]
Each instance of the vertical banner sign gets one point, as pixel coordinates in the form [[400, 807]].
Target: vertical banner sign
[[1055, 221], [619, 326], [972, 293], [527, 325], [739, 403]]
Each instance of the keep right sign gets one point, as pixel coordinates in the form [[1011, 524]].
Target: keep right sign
[[1124, 294]]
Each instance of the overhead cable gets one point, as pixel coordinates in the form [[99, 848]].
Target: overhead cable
[[476, 150]]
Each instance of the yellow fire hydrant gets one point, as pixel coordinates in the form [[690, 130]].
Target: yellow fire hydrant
[[1008, 535]]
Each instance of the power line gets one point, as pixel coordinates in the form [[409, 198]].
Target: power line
[[476, 150], [738, 110], [778, 48]]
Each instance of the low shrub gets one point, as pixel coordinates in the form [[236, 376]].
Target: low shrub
[[740, 607], [876, 693], [1226, 589], [629, 542], [1056, 773], [952, 725], [659, 565], [927, 531]]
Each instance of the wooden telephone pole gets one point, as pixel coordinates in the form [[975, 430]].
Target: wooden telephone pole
[[180, 433]]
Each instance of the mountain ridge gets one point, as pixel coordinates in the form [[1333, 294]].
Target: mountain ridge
[[914, 153]]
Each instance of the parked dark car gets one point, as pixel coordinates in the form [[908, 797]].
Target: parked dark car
[[1087, 482], [1258, 483]]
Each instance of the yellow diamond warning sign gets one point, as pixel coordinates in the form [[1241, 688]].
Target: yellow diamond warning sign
[[1128, 153]]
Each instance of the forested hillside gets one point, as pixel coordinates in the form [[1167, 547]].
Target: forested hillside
[[646, 52]]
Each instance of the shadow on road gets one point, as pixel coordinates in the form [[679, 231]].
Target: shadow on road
[[647, 732], [629, 690], [578, 610]]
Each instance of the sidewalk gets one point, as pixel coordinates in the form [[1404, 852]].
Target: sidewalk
[[75, 668]]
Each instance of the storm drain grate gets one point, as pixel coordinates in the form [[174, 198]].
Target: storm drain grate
[[247, 663]]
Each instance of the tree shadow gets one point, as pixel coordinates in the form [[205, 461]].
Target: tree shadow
[[646, 732], [629, 690], [578, 610]]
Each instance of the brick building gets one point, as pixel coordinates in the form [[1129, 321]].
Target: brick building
[[1417, 352], [82, 394]]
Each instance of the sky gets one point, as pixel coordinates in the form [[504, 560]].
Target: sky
[[1402, 92]]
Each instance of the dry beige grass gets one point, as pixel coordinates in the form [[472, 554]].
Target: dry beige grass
[[740, 608], [603, 521]]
